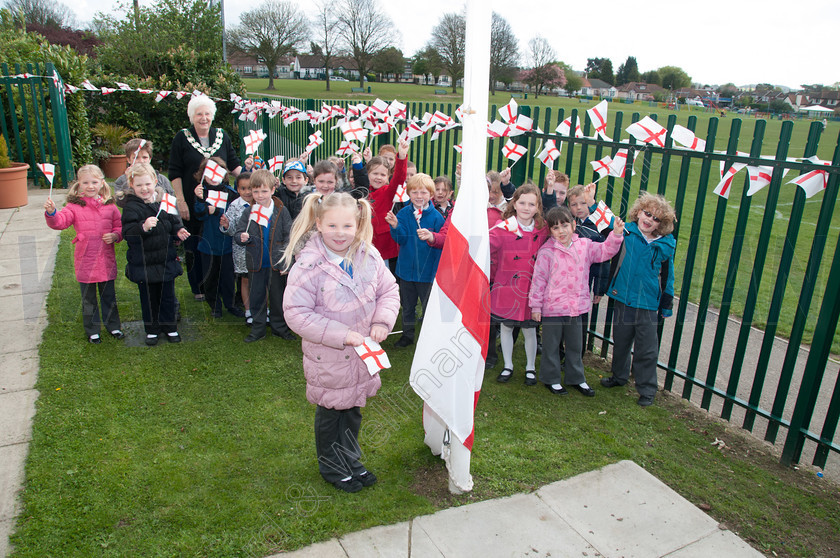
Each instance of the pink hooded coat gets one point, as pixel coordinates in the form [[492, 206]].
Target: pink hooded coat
[[322, 303], [560, 286], [94, 260], [511, 265]]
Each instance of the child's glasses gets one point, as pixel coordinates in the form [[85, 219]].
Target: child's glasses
[[650, 215]]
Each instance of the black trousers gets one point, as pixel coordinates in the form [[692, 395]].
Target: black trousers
[[158, 304], [218, 284], [267, 285], [90, 307], [410, 293], [337, 442], [193, 263]]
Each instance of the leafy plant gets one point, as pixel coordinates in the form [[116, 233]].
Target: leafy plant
[[5, 162], [112, 137]]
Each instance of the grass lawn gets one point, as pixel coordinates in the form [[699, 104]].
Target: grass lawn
[[652, 167], [206, 448]]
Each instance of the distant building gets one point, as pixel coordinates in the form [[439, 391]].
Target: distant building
[[638, 91], [597, 88], [248, 66], [308, 66]]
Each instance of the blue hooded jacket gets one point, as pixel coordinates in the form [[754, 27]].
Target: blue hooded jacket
[[645, 276]]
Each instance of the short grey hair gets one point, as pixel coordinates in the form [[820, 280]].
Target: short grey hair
[[200, 101]]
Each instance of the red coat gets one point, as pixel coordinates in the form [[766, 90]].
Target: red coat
[[94, 260], [512, 261], [382, 201]]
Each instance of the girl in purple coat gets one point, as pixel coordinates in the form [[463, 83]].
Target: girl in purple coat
[[514, 243], [91, 211], [339, 291]]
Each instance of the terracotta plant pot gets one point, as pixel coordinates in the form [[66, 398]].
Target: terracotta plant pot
[[13, 186], [114, 167]]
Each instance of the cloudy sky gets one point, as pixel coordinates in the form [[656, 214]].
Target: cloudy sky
[[742, 41]]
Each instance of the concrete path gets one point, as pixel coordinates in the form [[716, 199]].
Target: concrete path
[[620, 510], [27, 259]]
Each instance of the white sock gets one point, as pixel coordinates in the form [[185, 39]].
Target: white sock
[[584, 385], [346, 479], [506, 338], [172, 333], [95, 336], [556, 386], [115, 332], [151, 335], [247, 313], [530, 335]]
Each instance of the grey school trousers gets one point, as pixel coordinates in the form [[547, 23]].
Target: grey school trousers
[[635, 328]]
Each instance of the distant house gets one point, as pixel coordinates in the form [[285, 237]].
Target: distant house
[[308, 66], [638, 91], [248, 66], [597, 88], [827, 99]]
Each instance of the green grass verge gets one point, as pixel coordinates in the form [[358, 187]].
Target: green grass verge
[[206, 448]]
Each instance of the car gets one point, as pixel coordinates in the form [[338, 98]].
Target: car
[[337, 78]]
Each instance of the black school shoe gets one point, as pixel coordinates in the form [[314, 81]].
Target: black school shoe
[[610, 381], [367, 479], [351, 485], [530, 377], [95, 339], [503, 378], [586, 391]]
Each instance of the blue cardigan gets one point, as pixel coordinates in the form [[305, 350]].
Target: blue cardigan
[[645, 277], [417, 260]]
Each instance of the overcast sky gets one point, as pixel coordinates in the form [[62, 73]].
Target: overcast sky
[[741, 41]]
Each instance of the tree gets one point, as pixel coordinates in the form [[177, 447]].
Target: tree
[[326, 35], [427, 63], [573, 80], [364, 30], [600, 68], [270, 32], [315, 49], [728, 90], [627, 72], [673, 78], [504, 52], [544, 73], [44, 13], [129, 48], [388, 61], [652, 78], [449, 39]]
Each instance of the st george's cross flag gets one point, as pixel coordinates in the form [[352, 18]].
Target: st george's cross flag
[[168, 204], [259, 215], [448, 366], [373, 355], [217, 199], [513, 151], [648, 130], [565, 128], [549, 153], [602, 167], [510, 225], [602, 217], [401, 196], [619, 163], [598, 116], [213, 172], [509, 112], [686, 138], [727, 175], [275, 163], [760, 177], [813, 181]]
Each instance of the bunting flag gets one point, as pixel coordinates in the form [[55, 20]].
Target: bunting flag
[[522, 125], [648, 130], [549, 154], [259, 215], [513, 151], [213, 172], [510, 225], [509, 111], [602, 217], [458, 147], [813, 181], [275, 163], [448, 366], [598, 116], [619, 163], [217, 199], [727, 174], [498, 129], [373, 355], [169, 204], [602, 166], [401, 196], [686, 138], [565, 128], [759, 178]]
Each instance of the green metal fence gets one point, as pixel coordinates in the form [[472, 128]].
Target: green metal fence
[[741, 264], [33, 118]]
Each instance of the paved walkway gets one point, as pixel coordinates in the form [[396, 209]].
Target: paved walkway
[[27, 259], [620, 510]]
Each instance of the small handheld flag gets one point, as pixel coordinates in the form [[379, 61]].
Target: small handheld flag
[[217, 199], [602, 217], [373, 355], [259, 215]]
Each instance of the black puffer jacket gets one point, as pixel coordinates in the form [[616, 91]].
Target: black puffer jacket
[[281, 226], [150, 255]]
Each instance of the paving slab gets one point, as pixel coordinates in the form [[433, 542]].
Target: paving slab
[[514, 526], [20, 285], [22, 334], [26, 223], [329, 549], [28, 308], [723, 543], [19, 371], [625, 511], [12, 459], [6, 530], [16, 412], [387, 541], [27, 239]]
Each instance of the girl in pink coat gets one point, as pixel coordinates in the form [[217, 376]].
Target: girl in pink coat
[[91, 211], [339, 291], [559, 295], [514, 243]]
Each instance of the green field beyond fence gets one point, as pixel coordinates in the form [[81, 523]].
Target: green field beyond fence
[[765, 259]]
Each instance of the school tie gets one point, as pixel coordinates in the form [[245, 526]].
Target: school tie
[[348, 267]]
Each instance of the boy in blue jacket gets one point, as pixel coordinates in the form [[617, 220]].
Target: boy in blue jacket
[[643, 291], [417, 261]]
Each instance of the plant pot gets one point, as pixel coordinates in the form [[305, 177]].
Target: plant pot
[[114, 166], [13, 186]]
